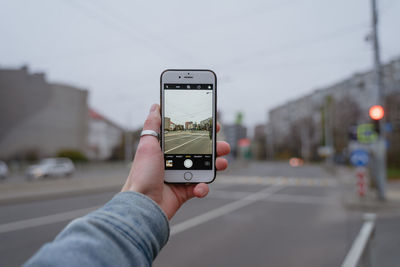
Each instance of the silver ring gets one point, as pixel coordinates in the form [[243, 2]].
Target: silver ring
[[150, 132]]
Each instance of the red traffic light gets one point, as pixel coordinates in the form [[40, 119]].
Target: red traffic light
[[376, 112]]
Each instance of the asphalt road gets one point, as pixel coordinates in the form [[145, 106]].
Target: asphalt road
[[260, 215], [83, 171], [188, 143]]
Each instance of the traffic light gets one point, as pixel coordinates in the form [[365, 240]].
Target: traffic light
[[376, 113], [375, 124]]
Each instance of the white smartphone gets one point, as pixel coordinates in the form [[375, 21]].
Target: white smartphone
[[188, 129]]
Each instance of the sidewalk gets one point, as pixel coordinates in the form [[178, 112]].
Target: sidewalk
[[393, 192], [369, 202]]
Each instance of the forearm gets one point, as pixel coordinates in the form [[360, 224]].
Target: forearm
[[129, 230]]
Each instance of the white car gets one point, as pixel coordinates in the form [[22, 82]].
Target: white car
[[3, 170], [51, 167]]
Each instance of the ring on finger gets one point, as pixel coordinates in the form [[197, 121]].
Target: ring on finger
[[150, 132]]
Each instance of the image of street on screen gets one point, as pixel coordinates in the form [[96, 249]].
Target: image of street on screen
[[188, 122]]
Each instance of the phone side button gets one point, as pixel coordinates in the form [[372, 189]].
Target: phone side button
[[188, 176]]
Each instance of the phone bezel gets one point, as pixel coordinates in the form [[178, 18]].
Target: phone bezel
[[202, 76]]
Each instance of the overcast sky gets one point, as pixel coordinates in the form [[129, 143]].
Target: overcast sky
[[184, 105], [264, 52]]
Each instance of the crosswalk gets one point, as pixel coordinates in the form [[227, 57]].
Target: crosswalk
[[286, 181]]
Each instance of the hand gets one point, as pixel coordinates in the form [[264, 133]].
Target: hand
[[147, 172]]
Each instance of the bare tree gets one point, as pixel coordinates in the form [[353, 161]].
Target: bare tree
[[346, 113]]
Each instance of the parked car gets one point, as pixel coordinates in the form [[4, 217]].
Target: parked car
[[51, 167], [3, 170]]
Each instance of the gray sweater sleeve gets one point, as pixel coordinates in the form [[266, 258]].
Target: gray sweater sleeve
[[129, 230]]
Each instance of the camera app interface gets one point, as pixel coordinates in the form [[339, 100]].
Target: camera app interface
[[188, 126]]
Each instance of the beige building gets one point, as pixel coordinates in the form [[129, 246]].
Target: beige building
[[103, 137], [38, 118], [167, 123]]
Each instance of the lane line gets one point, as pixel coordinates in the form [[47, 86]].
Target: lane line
[[290, 181], [302, 199], [244, 199], [215, 213], [185, 136], [167, 140], [45, 220], [182, 144], [282, 198]]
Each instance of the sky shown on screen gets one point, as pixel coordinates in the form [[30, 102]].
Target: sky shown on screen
[[188, 105]]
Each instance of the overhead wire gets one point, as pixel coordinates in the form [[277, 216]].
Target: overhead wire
[[147, 42], [115, 22]]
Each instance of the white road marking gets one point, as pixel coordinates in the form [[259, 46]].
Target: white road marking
[[182, 144], [215, 213], [201, 134], [186, 136], [284, 198], [223, 194], [302, 199], [361, 242], [244, 199], [44, 220], [290, 181]]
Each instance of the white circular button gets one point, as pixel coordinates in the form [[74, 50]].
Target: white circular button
[[188, 163]]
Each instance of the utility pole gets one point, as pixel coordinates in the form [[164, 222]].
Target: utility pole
[[328, 129], [380, 150]]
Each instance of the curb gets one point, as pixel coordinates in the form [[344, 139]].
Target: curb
[[371, 204]]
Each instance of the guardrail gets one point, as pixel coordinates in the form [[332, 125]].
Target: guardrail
[[360, 252]]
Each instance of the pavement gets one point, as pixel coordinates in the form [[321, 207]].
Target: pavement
[[369, 202], [87, 179], [257, 214], [197, 142]]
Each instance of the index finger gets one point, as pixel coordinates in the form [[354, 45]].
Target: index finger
[[153, 120]]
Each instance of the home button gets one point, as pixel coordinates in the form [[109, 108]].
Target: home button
[[188, 176]]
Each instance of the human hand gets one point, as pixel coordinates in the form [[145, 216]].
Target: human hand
[[147, 172]]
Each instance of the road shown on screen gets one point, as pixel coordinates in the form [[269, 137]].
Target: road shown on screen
[[188, 142]]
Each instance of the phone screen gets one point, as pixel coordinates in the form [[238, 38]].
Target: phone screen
[[188, 126]]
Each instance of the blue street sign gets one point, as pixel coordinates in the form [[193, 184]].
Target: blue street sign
[[388, 127], [359, 157]]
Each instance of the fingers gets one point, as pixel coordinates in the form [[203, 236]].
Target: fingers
[[223, 148], [148, 144], [153, 120], [218, 127], [201, 190], [186, 192], [221, 164]]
